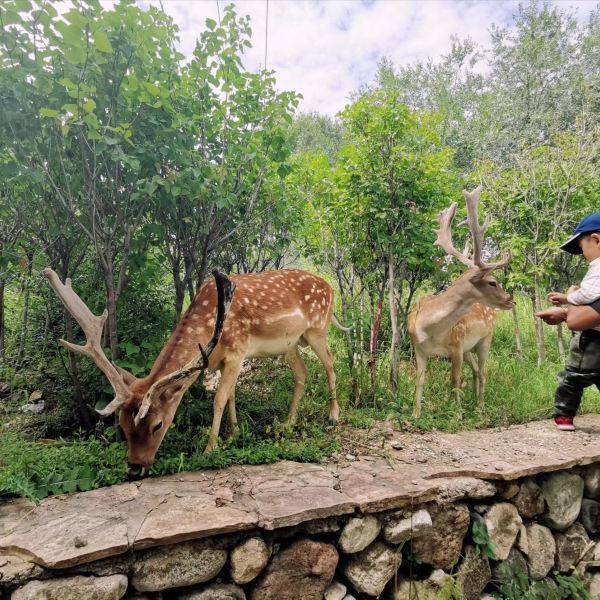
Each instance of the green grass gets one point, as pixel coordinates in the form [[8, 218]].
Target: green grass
[[517, 391]]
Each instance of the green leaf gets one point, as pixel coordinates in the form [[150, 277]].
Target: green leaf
[[75, 55], [49, 112], [89, 105], [102, 42], [211, 24]]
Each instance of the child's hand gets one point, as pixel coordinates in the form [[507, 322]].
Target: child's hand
[[557, 298]]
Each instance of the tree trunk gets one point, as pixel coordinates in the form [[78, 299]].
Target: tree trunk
[[539, 329], [85, 418], [2, 331], [374, 334], [350, 345], [517, 331], [111, 322], [25, 326], [394, 322]]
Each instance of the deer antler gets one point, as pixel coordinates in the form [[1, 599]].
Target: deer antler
[[92, 327], [225, 289], [477, 230], [444, 235]]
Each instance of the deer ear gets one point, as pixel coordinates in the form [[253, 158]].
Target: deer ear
[[481, 273]]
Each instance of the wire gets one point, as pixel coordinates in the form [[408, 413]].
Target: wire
[[266, 33]]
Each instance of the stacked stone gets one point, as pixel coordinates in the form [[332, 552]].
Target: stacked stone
[[537, 526]]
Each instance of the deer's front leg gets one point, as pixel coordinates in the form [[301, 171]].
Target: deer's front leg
[[457, 361], [229, 375]]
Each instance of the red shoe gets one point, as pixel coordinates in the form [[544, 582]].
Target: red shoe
[[564, 423]]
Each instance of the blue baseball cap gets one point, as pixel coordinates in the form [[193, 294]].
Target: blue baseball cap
[[590, 224]]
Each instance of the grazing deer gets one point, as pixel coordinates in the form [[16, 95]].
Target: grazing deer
[[271, 314], [459, 322]]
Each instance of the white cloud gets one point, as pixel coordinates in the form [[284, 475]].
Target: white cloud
[[326, 49]]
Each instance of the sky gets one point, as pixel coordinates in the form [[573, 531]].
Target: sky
[[326, 49]]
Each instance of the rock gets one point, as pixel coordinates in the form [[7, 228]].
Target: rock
[[305, 567], [358, 533], [15, 570], [570, 546], [542, 548], [473, 573], [370, 570], [505, 570], [503, 523], [336, 591], [591, 480], [248, 559], [563, 493], [349, 597], [177, 566], [429, 589], [215, 591], [509, 490], [74, 588], [441, 547], [530, 500], [522, 543], [594, 586], [400, 528], [590, 515]]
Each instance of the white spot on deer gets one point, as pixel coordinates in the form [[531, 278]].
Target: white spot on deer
[[255, 302], [246, 300], [189, 329], [307, 297], [205, 303]]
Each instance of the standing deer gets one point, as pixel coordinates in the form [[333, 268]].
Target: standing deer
[[459, 322], [271, 314]]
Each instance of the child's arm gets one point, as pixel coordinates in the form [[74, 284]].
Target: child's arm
[[557, 298], [588, 292]]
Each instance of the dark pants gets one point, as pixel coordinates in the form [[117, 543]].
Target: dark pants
[[581, 371]]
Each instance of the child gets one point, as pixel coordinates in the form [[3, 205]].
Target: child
[[583, 365]]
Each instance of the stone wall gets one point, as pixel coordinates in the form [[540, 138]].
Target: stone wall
[[539, 525]]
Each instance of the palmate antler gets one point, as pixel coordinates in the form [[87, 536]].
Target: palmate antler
[[92, 326], [225, 289], [477, 230]]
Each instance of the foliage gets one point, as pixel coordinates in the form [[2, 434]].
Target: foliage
[[481, 538], [516, 585]]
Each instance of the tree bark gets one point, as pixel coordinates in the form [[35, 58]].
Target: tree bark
[[374, 335], [111, 322], [517, 332], [25, 324], [539, 329], [394, 323], [2, 328]]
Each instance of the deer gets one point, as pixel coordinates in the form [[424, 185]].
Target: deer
[[459, 322], [251, 315]]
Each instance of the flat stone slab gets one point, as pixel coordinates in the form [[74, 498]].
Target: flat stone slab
[[69, 530]]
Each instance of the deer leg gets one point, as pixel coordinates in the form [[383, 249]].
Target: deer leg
[[470, 360], [300, 371], [229, 375], [234, 430], [483, 349], [317, 340], [457, 360]]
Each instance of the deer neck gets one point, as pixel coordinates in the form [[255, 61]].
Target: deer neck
[[443, 311], [180, 348]]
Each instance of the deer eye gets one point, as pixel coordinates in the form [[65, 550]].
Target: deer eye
[[157, 427], [493, 283]]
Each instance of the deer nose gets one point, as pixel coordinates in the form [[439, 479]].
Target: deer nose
[[135, 471]]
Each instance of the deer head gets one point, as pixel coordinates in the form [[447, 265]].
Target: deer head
[[477, 282], [146, 407]]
